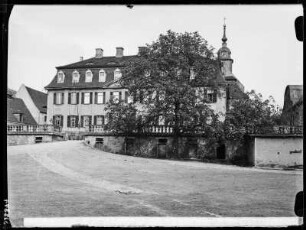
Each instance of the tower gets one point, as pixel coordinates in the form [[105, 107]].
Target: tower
[[224, 56]]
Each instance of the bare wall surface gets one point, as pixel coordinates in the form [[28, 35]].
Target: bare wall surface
[[279, 151]]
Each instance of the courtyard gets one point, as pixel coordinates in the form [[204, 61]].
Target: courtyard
[[71, 179]]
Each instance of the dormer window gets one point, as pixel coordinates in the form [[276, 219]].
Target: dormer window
[[88, 77], [117, 74], [75, 76], [102, 76], [60, 77]]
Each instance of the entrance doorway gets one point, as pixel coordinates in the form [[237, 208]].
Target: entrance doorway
[[221, 151]]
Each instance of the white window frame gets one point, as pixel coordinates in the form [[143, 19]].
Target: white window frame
[[117, 74], [86, 120], [101, 119], [192, 74], [75, 76], [60, 79], [73, 98], [100, 98], [58, 99], [116, 97], [88, 76], [86, 96], [102, 75], [72, 121]]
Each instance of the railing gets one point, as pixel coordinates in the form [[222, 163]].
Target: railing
[[33, 129], [279, 129]]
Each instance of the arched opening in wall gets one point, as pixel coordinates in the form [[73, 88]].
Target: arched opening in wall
[[221, 151], [161, 148], [99, 142], [129, 146], [192, 148]]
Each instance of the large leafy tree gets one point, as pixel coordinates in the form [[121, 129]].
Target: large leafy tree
[[168, 83], [253, 114]]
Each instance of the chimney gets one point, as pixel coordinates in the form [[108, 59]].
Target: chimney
[[81, 58], [119, 52], [142, 50], [99, 53]]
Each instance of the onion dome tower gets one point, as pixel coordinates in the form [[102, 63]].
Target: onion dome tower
[[224, 56]]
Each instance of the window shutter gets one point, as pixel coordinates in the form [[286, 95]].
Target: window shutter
[[62, 120], [96, 97], [53, 120], [103, 97], [90, 102], [77, 98], [54, 98], [68, 121], [95, 120], [126, 96], [69, 98], [120, 96], [63, 98], [111, 96], [82, 99], [103, 121], [90, 120], [82, 119], [215, 95], [205, 94], [77, 121]]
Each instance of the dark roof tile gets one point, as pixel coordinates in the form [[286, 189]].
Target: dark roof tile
[[39, 98], [16, 105]]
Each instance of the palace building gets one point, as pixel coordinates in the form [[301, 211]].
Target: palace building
[[78, 94]]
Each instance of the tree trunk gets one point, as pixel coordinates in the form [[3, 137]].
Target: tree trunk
[[176, 132]]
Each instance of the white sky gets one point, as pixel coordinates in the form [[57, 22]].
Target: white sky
[[267, 56]]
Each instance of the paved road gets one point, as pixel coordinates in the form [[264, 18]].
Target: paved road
[[72, 179]]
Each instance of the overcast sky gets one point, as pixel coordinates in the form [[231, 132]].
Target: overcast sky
[[267, 56]]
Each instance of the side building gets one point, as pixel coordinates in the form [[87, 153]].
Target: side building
[[36, 102]]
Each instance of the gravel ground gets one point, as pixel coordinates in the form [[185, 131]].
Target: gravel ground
[[71, 179]]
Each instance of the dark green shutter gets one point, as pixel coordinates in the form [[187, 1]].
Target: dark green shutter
[[111, 96], [69, 98], [54, 98], [82, 119], [95, 120], [103, 122], [63, 98], [53, 121], [77, 121], [77, 98], [215, 95], [82, 99], [68, 121], [120, 96], [126, 96], [90, 120], [90, 101], [62, 120], [96, 98], [103, 97]]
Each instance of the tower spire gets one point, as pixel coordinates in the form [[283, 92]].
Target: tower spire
[[224, 39]]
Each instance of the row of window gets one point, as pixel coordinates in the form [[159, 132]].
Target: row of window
[[116, 96], [89, 98], [74, 121], [88, 76]]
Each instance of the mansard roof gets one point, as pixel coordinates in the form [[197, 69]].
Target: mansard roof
[[39, 98], [103, 62]]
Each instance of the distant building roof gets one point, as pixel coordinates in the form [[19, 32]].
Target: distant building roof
[[11, 92], [39, 98], [293, 95], [17, 106]]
